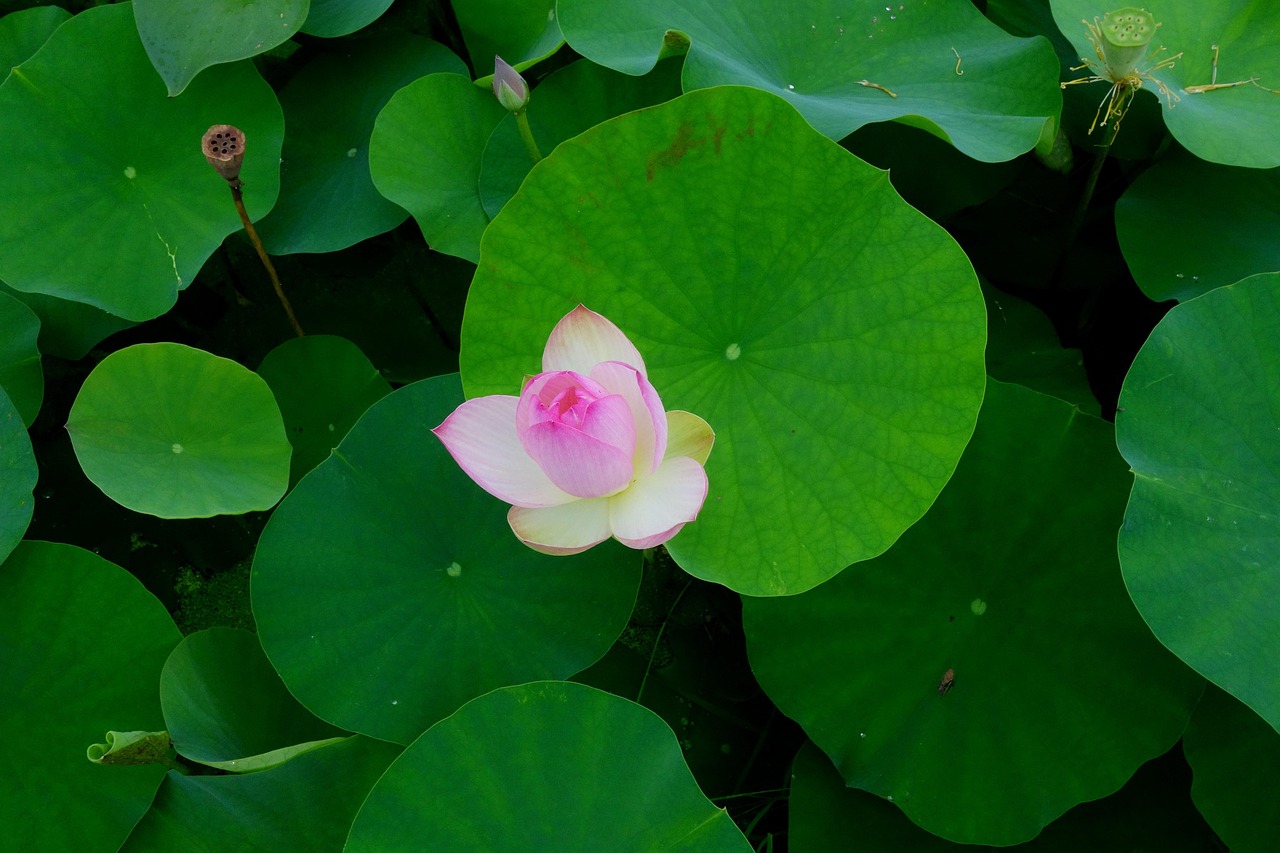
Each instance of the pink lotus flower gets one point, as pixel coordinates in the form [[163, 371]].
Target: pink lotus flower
[[586, 451], [508, 86]]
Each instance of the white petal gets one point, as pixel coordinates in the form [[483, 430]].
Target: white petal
[[646, 410], [481, 437], [582, 339], [655, 508], [566, 529], [689, 435]]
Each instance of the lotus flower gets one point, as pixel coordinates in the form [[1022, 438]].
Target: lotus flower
[[586, 451], [508, 86]]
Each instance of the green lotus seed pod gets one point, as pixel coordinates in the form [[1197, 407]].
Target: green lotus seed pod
[[1125, 35]]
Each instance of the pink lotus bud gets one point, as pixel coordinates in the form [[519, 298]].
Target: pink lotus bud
[[586, 451], [508, 86]]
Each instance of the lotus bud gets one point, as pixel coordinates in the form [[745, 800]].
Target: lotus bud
[[1125, 36], [508, 86], [223, 147]]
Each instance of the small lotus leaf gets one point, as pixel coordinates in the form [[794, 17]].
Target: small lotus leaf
[[1187, 226], [323, 385], [520, 31], [544, 766], [327, 199], [1198, 423], [179, 433], [425, 153], [183, 39]]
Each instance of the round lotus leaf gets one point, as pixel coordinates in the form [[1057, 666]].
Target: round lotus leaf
[[1004, 601], [1187, 226], [1153, 811], [425, 154], [938, 66], [327, 199], [332, 18], [18, 475], [307, 804], [81, 647], [222, 701], [183, 39], [1198, 423], [180, 433], [323, 384], [1224, 740], [570, 101], [388, 588], [108, 199], [20, 374], [1230, 115], [835, 345], [520, 31], [22, 33], [544, 766]]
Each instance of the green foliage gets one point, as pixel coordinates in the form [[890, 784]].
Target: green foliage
[[180, 433], [1200, 543], [842, 233]]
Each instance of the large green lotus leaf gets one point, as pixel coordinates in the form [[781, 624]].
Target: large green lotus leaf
[[543, 766], [323, 385], [1004, 603], [307, 804], [1023, 347], [1187, 226], [81, 647], [1237, 126], [18, 475], [111, 202], [777, 286], [425, 153], [1153, 811], [947, 69], [67, 329], [22, 33], [1236, 758], [180, 433], [569, 101], [222, 700], [389, 590], [520, 31], [327, 199], [332, 18], [1198, 424], [183, 39], [20, 374]]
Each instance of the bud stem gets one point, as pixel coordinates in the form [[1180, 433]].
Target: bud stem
[[522, 121], [262, 254]]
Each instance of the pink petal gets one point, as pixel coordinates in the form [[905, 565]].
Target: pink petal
[[582, 339], [566, 529], [481, 437], [590, 461], [540, 390], [689, 435], [646, 410], [656, 507]]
